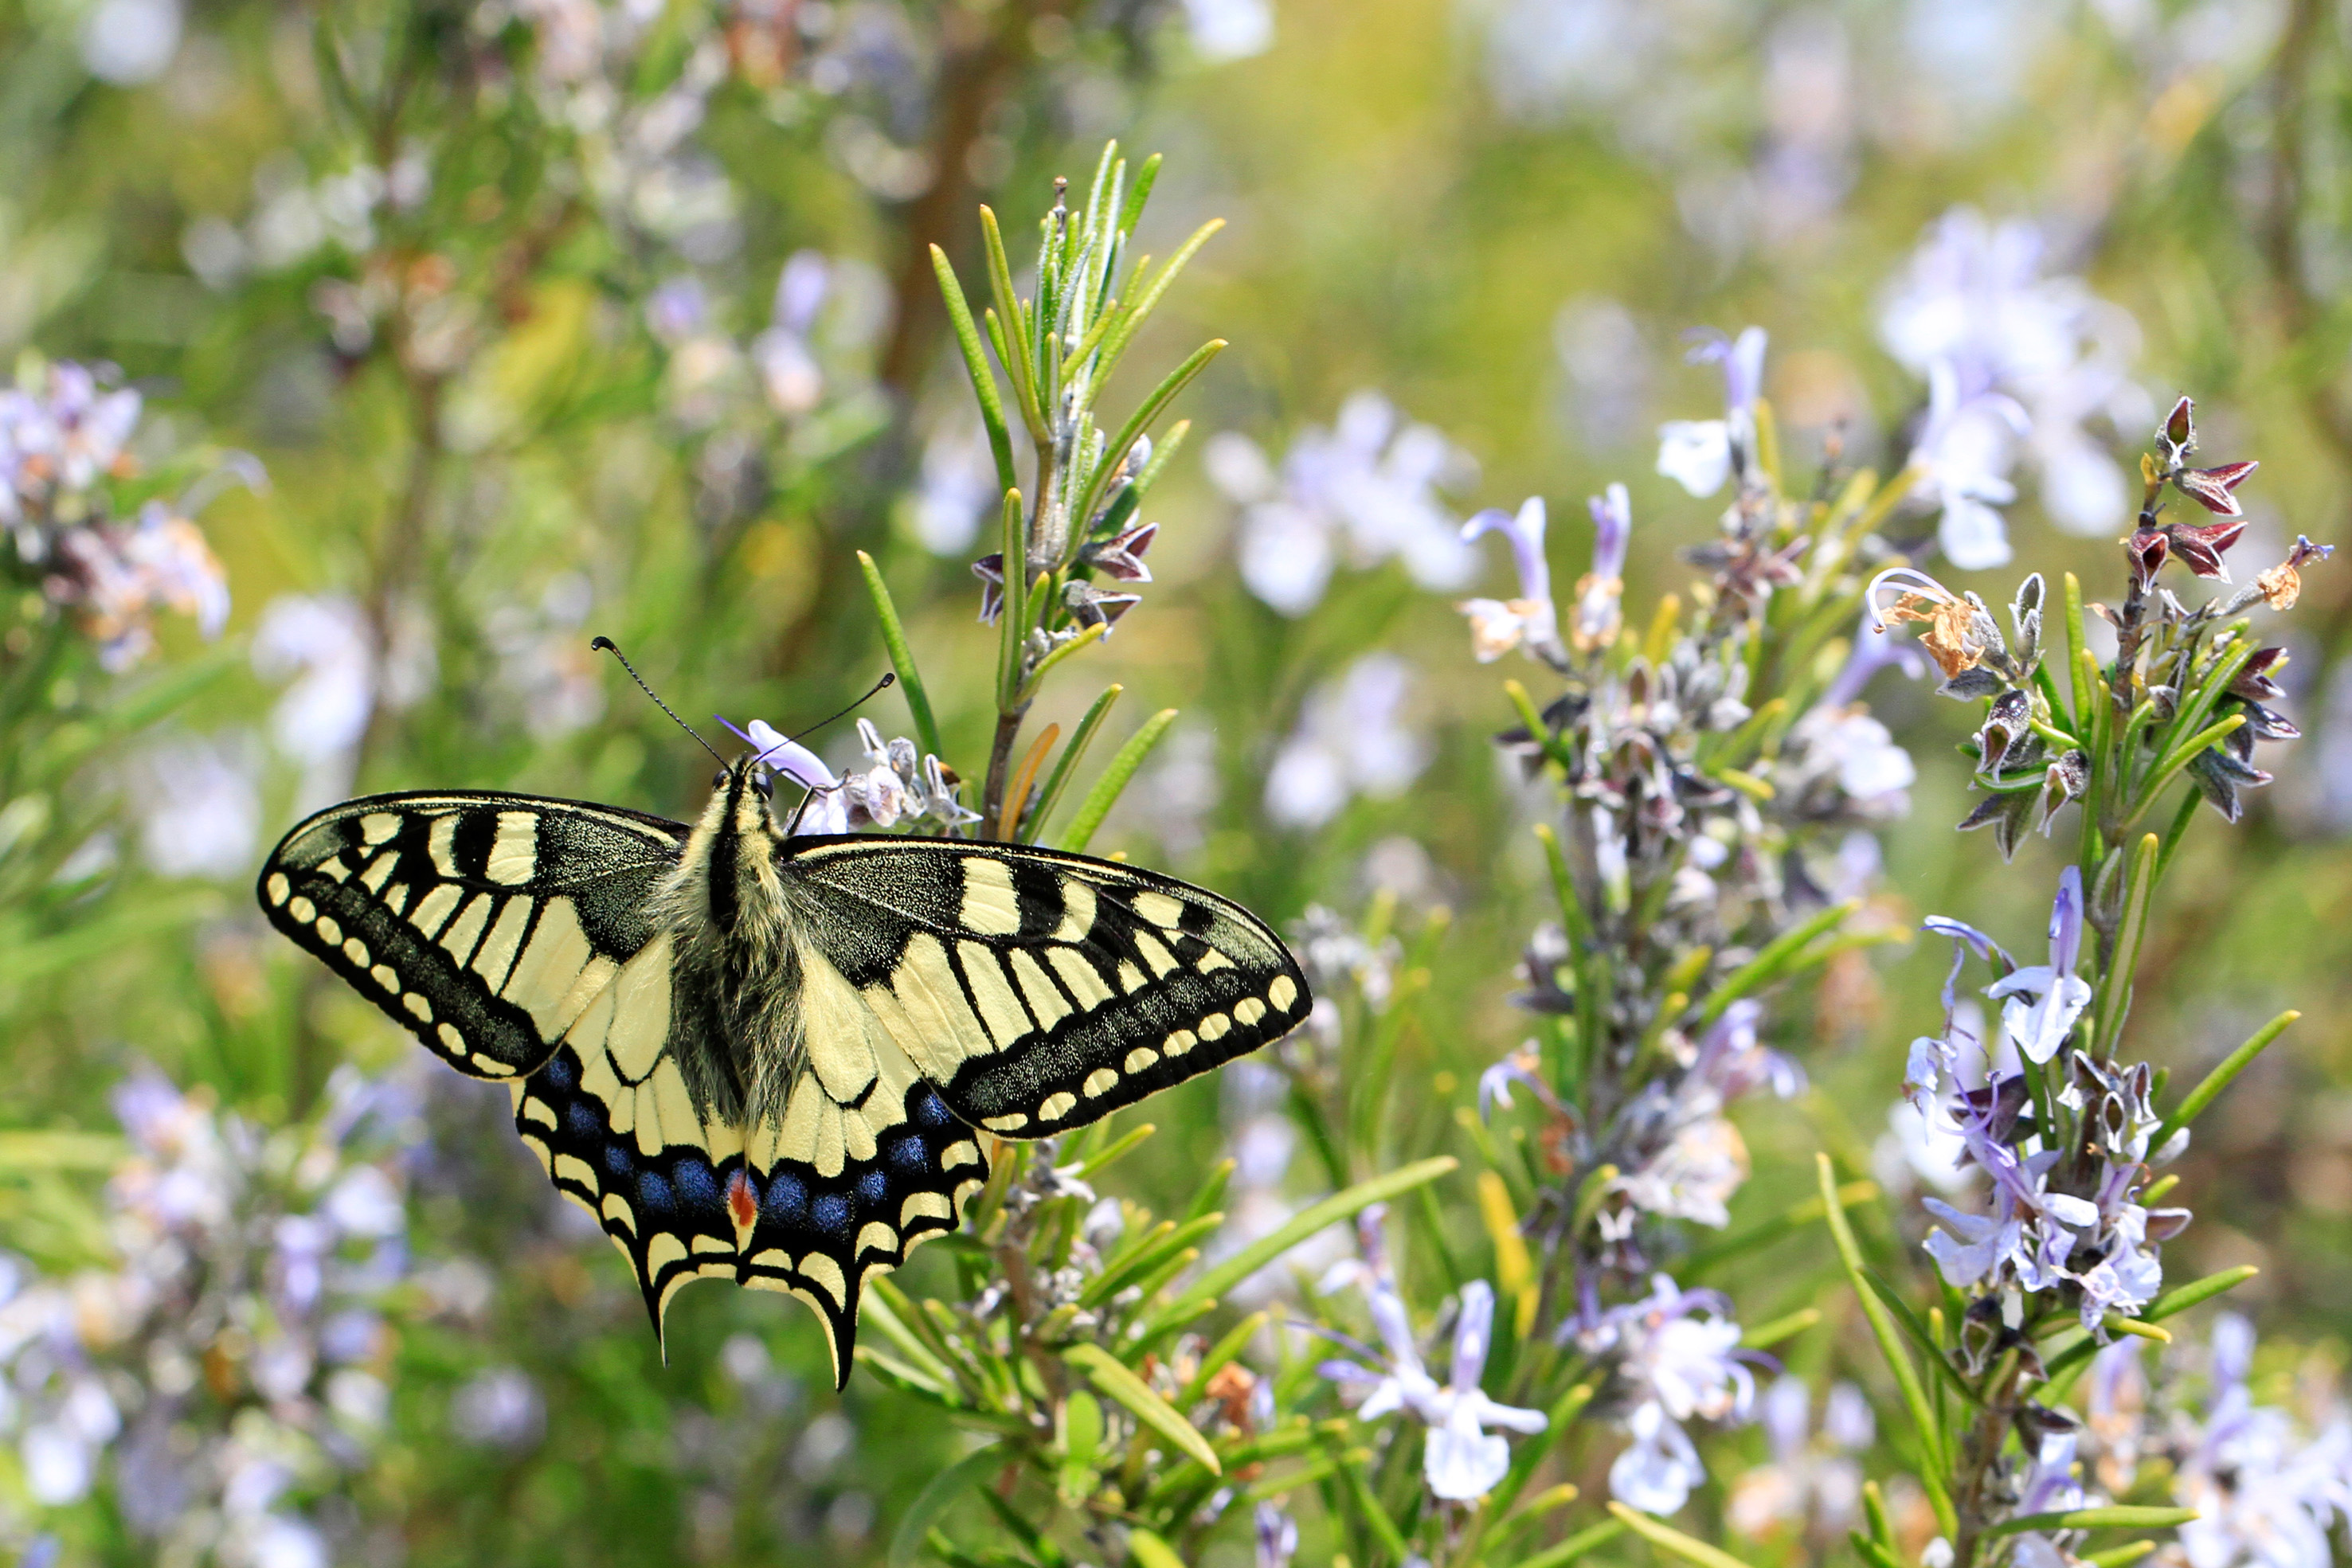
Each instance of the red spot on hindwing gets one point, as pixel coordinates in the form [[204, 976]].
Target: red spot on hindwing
[[742, 1205]]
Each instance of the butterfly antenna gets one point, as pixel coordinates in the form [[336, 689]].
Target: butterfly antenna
[[606, 646], [878, 687]]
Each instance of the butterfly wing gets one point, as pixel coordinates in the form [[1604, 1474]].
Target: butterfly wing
[[484, 925], [511, 937], [1040, 990]]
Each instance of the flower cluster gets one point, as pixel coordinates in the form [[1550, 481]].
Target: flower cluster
[[65, 435], [2063, 1242], [1714, 810], [1363, 492], [2062, 1218], [1462, 1460], [229, 1355], [894, 787]]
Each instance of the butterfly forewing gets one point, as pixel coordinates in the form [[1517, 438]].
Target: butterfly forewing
[[1041, 990], [485, 924]]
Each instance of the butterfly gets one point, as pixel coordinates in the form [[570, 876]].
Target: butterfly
[[766, 1056]]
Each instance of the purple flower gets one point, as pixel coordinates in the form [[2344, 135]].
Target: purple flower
[[1875, 646], [1679, 1365], [2042, 1000], [1497, 626], [1963, 457], [1700, 455], [1460, 1460], [786, 359], [1363, 492], [1351, 740], [2265, 1497]]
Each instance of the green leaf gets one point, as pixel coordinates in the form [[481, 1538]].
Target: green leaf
[[1106, 792], [1131, 319], [931, 1504], [37, 1150], [1116, 451], [1050, 794], [1082, 1436], [2095, 1519], [1875, 1554], [2181, 1298], [1013, 622], [1928, 1348], [1795, 1218], [1149, 1551], [2204, 1094], [1139, 194], [1101, 1159], [1339, 1206], [1014, 346], [2122, 1556], [1764, 1336], [24, 961], [902, 657], [1890, 1346], [1777, 956], [2116, 985], [1575, 1546], [1667, 1538], [2071, 623], [983, 380], [1084, 640], [1106, 1372]]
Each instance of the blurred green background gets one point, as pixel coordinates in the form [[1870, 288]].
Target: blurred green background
[[490, 291]]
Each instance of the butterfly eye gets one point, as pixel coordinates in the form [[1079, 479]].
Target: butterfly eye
[[765, 787], [718, 779]]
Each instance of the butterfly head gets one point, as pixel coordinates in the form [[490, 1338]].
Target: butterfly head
[[729, 863]]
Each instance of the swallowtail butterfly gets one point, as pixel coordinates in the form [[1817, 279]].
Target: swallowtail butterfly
[[764, 1057]]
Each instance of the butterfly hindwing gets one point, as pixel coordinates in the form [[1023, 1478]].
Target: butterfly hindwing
[[1041, 990], [485, 924]]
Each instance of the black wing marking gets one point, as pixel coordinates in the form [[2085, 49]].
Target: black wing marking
[[684, 1203], [483, 923], [1041, 990]]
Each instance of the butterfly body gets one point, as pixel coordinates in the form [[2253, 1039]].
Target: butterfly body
[[766, 1057]]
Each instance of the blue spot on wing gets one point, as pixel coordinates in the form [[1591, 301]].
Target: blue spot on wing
[[786, 1199], [582, 1120], [910, 1154], [696, 1183], [831, 1212], [927, 1108], [653, 1194], [873, 1187]]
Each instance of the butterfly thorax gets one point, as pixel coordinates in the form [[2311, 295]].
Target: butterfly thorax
[[736, 969]]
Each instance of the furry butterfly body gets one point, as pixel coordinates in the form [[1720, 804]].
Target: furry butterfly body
[[764, 1057]]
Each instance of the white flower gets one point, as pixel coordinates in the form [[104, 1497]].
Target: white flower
[[1699, 455], [200, 806], [1680, 1366], [2042, 1000], [1497, 626], [1366, 491], [956, 492], [1460, 1460], [1350, 741], [1659, 1468], [786, 361], [1963, 456], [1974, 302], [1230, 30]]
